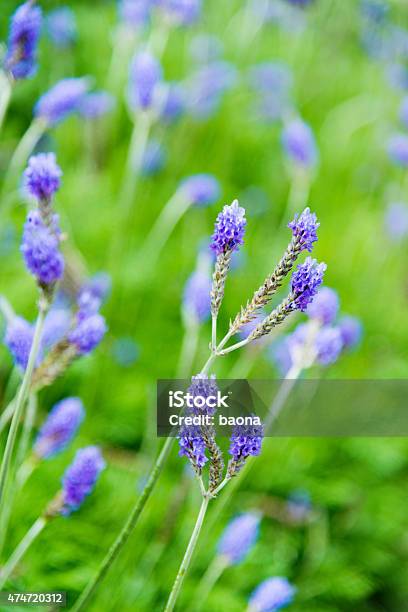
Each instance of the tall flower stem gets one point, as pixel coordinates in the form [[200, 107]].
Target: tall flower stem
[[5, 95], [22, 397], [188, 349], [22, 548], [127, 529], [206, 585], [185, 564]]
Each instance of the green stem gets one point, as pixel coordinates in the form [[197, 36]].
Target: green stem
[[211, 576], [185, 564], [21, 549], [188, 348], [21, 398], [5, 95], [127, 529]]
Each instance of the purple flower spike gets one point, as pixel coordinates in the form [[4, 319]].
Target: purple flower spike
[[182, 12], [351, 331], [325, 306], [304, 229], [201, 189], [61, 27], [299, 143], [18, 339], [229, 229], [135, 13], [80, 478], [61, 100], [246, 441], [196, 299], [145, 75], [173, 102], [239, 537], [40, 248], [96, 104], [271, 595], [192, 445], [305, 282], [99, 285], [329, 345], [59, 428], [23, 38], [398, 149], [42, 177], [88, 333], [56, 326]]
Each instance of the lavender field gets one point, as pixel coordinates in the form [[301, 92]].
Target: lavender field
[[200, 190]]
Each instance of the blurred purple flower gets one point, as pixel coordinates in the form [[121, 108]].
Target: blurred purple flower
[[398, 149], [273, 77], [299, 143], [271, 595], [25, 27], [181, 12], [396, 220], [144, 77], [60, 427], [80, 478], [173, 102], [200, 189], [239, 537], [42, 177], [205, 48], [61, 26], [196, 297], [41, 252], [206, 87], [135, 13], [88, 333], [404, 111], [56, 326], [351, 331], [62, 100], [99, 285], [329, 344], [18, 339], [325, 306], [96, 104]]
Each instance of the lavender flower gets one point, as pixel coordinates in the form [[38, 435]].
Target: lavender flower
[[61, 100], [80, 478], [205, 88], [196, 299], [25, 28], [306, 280], [40, 248], [88, 333], [203, 386], [246, 441], [201, 189], [18, 339], [145, 75], [329, 344], [271, 77], [271, 595], [135, 13], [239, 537], [61, 27], [181, 12], [396, 220], [398, 149], [96, 104], [99, 285], [304, 230], [192, 446], [42, 177], [350, 330], [59, 428], [299, 143], [229, 229], [173, 102], [325, 306], [56, 326], [154, 158], [281, 356]]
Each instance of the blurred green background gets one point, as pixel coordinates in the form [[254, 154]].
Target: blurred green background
[[353, 554]]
